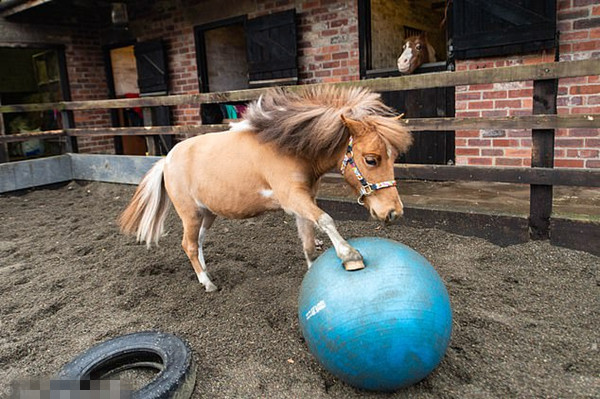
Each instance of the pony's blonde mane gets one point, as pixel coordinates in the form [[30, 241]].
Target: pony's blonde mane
[[309, 123]]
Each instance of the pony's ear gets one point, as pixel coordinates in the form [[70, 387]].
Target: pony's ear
[[398, 117], [353, 125]]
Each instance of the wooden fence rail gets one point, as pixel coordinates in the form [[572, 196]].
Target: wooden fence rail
[[586, 121], [551, 70], [541, 176]]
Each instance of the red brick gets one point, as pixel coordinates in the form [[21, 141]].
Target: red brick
[[330, 32], [322, 57], [585, 89], [583, 153], [487, 86], [468, 96], [507, 103], [562, 142], [568, 163], [509, 162], [338, 56], [592, 164], [480, 143], [332, 64], [493, 114], [467, 114], [492, 153], [338, 23], [582, 132], [592, 143], [481, 104], [321, 74], [467, 133], [480, 161], [341, 71], [586, 46], [518, 133], [466, 151], [495, 94], [574, 36], [518, 152], [505, 143]]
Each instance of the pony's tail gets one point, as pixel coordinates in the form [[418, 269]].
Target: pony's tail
[[145, 216]]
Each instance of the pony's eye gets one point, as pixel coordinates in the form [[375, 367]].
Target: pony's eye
[[371, 161], [419, 47]]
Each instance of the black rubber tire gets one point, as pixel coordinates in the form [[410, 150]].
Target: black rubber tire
[[164, 352]]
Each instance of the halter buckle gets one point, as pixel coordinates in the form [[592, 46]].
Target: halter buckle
[[366, 190]]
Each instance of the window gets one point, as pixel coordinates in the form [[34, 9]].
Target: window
[[384, 24]]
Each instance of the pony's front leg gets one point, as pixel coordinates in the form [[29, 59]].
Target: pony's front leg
[[304, 208], [350, 257]]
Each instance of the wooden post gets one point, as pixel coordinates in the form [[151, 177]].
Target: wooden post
[[542, 156], [150, 144], [3, 146], [68, 123]]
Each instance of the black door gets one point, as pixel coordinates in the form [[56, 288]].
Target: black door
[[153, 80], [429, 147], [272, 49], [484, 28]]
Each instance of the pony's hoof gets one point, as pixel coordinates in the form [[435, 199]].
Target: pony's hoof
[[352, 265], [211, 288]]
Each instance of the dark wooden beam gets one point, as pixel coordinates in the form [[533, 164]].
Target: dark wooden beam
[[520, 175], [149, 130], [591, 121], [12, 138], [542, 156]]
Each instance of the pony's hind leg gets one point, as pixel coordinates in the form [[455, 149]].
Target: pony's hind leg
[[194, 232], [306, 231], [207, 221]]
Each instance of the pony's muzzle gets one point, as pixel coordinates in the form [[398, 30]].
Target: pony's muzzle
[[393, 215], [403, 64], [389, 217]]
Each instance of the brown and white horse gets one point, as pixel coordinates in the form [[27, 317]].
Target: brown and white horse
[[273, 159], [416, 51]]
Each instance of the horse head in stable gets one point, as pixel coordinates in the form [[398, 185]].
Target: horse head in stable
[[416, 51]]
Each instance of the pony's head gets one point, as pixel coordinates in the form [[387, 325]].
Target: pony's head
[[368, 165], [416, 51]]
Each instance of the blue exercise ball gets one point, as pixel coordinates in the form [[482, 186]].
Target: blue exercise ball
[[381, 328]]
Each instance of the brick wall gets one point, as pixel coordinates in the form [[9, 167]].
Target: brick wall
[[327, 40], [579, 24], [87, 81]]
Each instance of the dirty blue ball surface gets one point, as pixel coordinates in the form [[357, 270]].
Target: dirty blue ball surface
[[381, 328]]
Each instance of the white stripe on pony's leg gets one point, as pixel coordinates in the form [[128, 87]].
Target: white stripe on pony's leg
[[350, 257], [203, 277]]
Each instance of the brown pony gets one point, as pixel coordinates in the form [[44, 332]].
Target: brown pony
[[273, 159], [416, 51]]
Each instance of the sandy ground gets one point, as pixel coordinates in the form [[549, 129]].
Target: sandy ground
[[526, 317]]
